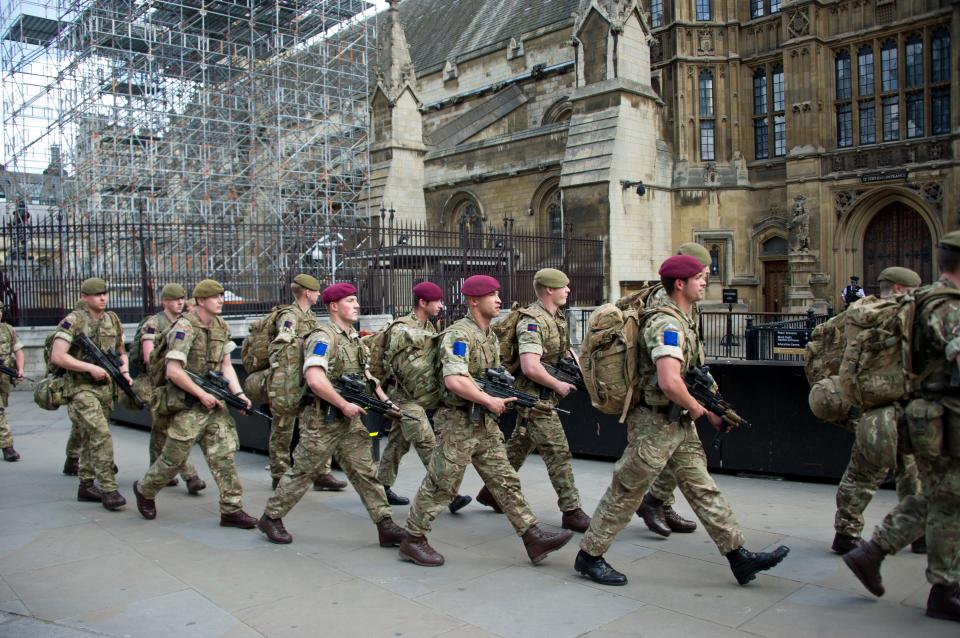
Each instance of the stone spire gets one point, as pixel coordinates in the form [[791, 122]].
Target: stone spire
[[395, 70]]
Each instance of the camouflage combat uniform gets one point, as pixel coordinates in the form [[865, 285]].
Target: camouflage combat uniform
[[293, 325], [936, 510], [542, 333], [201, 349], [419, 432], [89, 402], [9, 344], [466, 350], [152, 328], [338, 353], [655, 442]]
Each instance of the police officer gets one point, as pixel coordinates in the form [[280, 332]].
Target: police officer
[[933, 434], [11, 355], [862, 477], [330, 424], [427, 303], [467, 349], [172, 298], [89, 390], [286, 384], [852, 292], [542, 336], [662, 433], [199, 341]]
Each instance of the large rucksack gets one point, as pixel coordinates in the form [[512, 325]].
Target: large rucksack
[[377, 344], [506, 331], [135, 355], [824, 350], [255, 350], [411, 359]]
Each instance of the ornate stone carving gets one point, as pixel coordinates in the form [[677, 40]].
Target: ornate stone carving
[[704, 42], [800, 226], [798, 24]]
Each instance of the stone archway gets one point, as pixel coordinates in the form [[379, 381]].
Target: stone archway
[[896, 236]]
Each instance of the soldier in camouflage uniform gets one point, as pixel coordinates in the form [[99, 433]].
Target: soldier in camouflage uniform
[[172, 298], [71, 465], [933, 434], [90, 391], [542, 337], [198, 341], [427, 303], [466, 350], [330, 424], [293, 325], [11, 355], [662, 433], [656, 509], [862, 477]]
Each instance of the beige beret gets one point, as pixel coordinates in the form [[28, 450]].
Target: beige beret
[[93, 286], [551, 278], [900, 275], [171, 292], [207, 288], [306, 281]]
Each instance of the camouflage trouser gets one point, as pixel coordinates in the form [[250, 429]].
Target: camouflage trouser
[[934, 511], [655, 443], [860, 482], [281, 435], [6, 437], [74, 441], [319, 440], [91, 416], [460, 443], [158, 438], [543, 432], [216, 433], [664, 487], [418, 433]]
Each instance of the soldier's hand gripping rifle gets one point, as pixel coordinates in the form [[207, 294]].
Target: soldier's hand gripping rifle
[[353, 388], [567, 371], [110, 361], [217, 385], [702, 387], [12, 373], [498, 382]]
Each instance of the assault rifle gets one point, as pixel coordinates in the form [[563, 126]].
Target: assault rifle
[[12, 373], [567, 371], [110, 361], [217, 385], [353, 388], [702, 387], [498, 382]]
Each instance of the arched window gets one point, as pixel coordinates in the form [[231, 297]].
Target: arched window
[[940, 79], [559, 111], [656, 13], [844, 87], [889, 67], [468, 221], [914, 61], [706, 93]]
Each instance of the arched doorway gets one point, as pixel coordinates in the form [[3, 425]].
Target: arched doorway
[[896, 236]]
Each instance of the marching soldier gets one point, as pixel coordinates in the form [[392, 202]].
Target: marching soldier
[[199, 342], [427, 303], [862, 478], [11, 355], [542, 336], [172, 298], [90, 391], [331, 425], [662, 434], [293, 325], [466, 350], [933, 432]]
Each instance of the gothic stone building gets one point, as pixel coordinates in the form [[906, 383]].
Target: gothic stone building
[[800, 141]]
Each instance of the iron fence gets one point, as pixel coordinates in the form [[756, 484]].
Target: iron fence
[[42, 264]]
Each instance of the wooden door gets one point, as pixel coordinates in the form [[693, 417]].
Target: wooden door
[[896, 236], [775, 274]]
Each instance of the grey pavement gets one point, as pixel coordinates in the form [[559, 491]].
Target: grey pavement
[[74, 569]]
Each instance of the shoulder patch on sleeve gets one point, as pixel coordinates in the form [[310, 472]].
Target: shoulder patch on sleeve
[[180, 335], [459, 348], [671, 337], [65, 324], [532, 327], [151, 330], [320, 348], [287, 324]]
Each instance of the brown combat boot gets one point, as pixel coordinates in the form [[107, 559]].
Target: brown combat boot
[[328, 482], [484, 497], [944, 602], [71, 467], [417, 550], [195, 484], [274, 530], [173, 482], [389, 533], [113, 500], [146, 506], [651, 511], [11, 455], [238, 519], [540, 543], [842, 543], [576, 520], [88, 492], [677, 523], [864, 561]]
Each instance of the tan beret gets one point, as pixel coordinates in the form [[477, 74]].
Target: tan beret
[[172, 292], [693, 249], [951, 241], [207, 288], [306, 281], [93, 286], [551, 278], [900, 275]]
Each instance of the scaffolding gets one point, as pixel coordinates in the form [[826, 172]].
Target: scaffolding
[[210, 112]]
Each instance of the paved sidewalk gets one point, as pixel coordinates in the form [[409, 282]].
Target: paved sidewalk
[[74, 569]]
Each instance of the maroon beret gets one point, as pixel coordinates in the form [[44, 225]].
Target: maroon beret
[[479, 285], [428, 291], [336, 292], [680, 267]]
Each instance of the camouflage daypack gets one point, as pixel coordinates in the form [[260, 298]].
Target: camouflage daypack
[[255, 350], [377, 343], [135, 355], [824, 350], [506, 331], [48, 391], [411, 359]]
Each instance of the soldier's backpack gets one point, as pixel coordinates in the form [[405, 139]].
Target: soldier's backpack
[[255, 350], [824, 350], [411, 359], [506, 331], [48, 391], [135, 355], [377, 343]]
